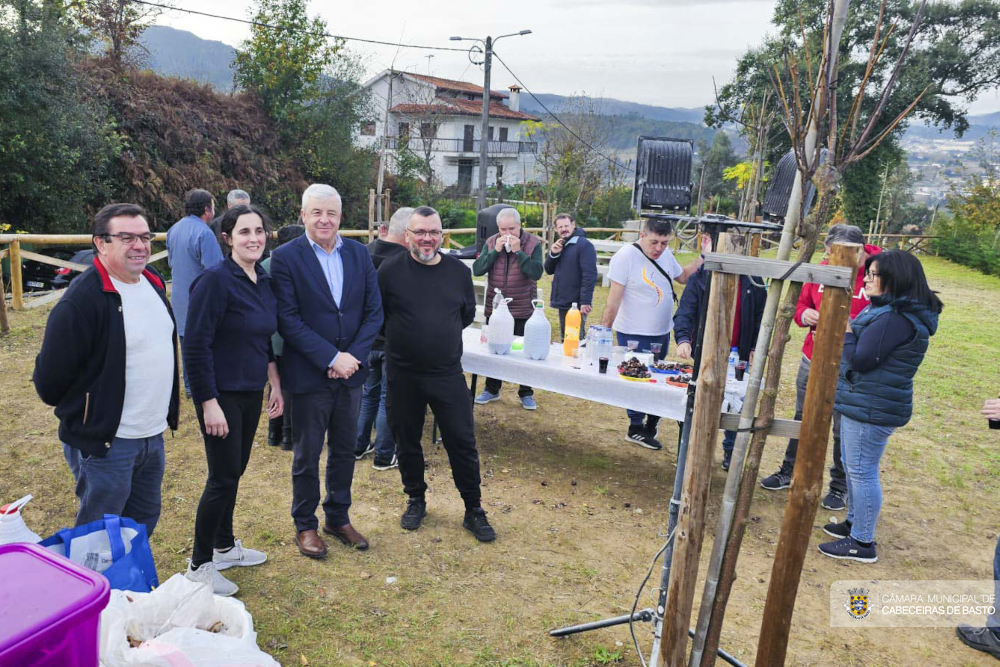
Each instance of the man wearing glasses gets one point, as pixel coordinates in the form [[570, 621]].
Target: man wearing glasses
[[192, 247], [428, 300], [108, 364]]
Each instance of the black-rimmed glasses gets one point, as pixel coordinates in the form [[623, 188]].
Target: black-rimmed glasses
[[129, 239], [420, 233]]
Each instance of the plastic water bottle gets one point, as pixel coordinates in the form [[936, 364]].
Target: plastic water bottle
[[734, 358], [12, 526], [537, 333]]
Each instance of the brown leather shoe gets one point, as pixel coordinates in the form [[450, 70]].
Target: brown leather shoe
[[347, 535], [310, 544]]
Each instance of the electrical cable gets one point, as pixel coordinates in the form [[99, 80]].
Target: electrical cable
[[305, 32], [559, 120], [638, 594]]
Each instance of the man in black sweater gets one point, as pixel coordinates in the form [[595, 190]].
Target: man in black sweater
[[373, 395], [427, 299]]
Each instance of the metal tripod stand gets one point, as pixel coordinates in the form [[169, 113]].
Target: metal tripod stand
[[713, 225]]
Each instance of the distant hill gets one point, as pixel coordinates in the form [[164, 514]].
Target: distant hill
[[186, 56], [613, 107]]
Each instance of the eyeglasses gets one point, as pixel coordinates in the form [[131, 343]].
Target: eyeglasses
[[421, 233], [129, 239], [871, 274]]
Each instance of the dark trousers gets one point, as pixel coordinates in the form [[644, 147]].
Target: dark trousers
[[187, 385], [634, 417], [407, 399], [282, 425], [492, 385], [227, 461], [838, 478], [562, 324], [329, 416]]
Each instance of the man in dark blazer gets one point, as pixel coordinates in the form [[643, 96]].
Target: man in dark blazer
[[329, 312]]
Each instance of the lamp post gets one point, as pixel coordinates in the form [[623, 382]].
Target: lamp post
[[484, 132]]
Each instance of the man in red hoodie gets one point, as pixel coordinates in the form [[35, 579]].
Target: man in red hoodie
[[806, 315]]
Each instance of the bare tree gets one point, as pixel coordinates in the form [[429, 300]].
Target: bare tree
[[118, 24]]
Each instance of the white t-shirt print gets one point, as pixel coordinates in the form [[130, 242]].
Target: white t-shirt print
[[647, 307]]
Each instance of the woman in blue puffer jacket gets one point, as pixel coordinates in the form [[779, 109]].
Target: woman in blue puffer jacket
[[883, 349]]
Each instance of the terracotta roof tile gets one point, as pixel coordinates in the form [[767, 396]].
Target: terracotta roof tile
[[452, 84], [453, 106]]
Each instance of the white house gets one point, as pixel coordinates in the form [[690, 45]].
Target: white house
[[441, 119]]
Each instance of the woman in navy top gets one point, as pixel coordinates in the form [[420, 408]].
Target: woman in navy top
[[232, 314]]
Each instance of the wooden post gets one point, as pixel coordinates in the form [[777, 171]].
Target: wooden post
[[4, 324], [807, 479], [16, 286], [755, 245], [371, 214], [698, 469], [387, 211]]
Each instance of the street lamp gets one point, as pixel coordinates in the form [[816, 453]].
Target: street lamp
[[484, 132]]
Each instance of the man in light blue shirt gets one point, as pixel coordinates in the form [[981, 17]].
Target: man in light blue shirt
[[191, 248], [333, 268]]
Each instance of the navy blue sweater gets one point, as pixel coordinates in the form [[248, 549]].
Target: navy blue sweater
[[227, 343]]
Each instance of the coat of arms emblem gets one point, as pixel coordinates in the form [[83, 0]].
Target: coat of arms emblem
[[858, 607]]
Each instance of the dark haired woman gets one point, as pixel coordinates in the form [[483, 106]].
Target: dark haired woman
[[883, 349], [227, 349]]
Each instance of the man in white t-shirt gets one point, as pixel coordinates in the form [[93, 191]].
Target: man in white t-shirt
[[108, 364], [640, 306]]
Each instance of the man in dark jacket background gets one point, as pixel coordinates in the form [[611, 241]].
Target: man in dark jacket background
[[108, 364], [373, 394], [512, 260], [572, 261], [750, 301]]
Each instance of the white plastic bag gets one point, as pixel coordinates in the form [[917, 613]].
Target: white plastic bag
[[175, 624]]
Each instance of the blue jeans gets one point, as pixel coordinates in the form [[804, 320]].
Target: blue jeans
[[728, 440], [125, 482], [862, 445], [373, 410], [994, 619], [635, 418]]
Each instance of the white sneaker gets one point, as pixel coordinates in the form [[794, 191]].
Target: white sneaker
[[238, 555], [207, 574]]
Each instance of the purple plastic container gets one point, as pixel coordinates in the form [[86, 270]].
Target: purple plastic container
[[50, 609]]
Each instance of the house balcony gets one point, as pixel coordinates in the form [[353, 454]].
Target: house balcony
[[469, 147]]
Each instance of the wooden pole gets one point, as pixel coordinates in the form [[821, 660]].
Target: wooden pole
[[755, 245], [16, 286], [4, 324], [807, 479], [371, 214], [387, 211], [698, 468]]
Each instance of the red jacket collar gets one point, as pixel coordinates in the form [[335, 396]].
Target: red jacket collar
[[109, 286]]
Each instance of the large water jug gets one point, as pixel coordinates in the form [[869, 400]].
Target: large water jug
[[537, 333], [12, 526], [500, 330]]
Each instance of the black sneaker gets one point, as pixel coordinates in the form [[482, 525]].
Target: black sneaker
[[777, 481], [841, 530], [640, 436], [475, 521], [849, 548], [981, 639], [379, 464], [416, 510], [834, 501], [727, 458], [360, 454]]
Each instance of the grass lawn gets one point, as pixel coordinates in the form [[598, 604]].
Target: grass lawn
[[579, 513]]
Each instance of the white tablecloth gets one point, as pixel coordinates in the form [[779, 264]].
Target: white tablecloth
[[573, 377]]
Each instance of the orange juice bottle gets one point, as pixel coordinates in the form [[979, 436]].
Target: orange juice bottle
[[571, 341]]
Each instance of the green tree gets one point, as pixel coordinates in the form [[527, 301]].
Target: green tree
[[118, 25], [57, 141], [975, 202], [285, 58], [955, 56], [709, 174]]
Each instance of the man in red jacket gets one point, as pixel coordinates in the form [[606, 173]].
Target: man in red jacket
[[807, 315]]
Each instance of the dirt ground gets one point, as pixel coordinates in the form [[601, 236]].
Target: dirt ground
[[579, 512]]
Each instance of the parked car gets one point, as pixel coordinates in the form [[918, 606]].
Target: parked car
[[39, 277]]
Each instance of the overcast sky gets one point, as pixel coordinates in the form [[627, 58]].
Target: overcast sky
[[661, 52]]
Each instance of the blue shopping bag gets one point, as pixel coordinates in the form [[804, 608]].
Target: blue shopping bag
[[115, 546]]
